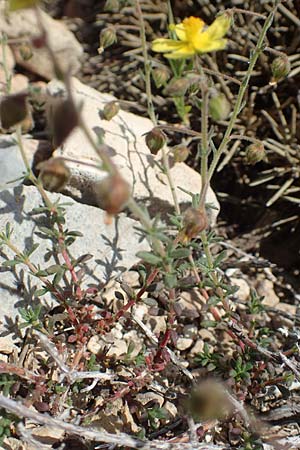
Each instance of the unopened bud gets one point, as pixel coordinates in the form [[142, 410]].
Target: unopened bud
[[160, 76], [112, 5], [177, 87], [112, 193], [25, 51], [54, 174], [280, 67], [194, 221], [180, 153], [108, 37], [219, 107], [155, 140], [110, 110], [13, 109], [255, 152]]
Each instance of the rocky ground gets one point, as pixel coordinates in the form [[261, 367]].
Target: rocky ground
[[247, 362]]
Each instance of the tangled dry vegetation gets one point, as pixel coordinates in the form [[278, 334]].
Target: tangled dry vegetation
[[157, 361]]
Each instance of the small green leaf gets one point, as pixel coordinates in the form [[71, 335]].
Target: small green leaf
[[10, 263], [149, 258], [180, 253], [74, 233], [220, 258], [58, 276], [53, 269], [33, 249], [40, 292], [47, 231]]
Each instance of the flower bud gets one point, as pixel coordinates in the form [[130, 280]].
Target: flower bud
[[180, 153], [177, 87], [110, 110], [194, 221], [255, 152], [280, 67], [107, 38], [155, 140], [160, 76], [219, 107], [54, 174], [112, 193]]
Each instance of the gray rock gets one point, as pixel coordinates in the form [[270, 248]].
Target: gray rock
[[66, 48], [113, 246], [12, 166]]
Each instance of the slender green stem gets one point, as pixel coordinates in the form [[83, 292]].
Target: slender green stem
[[241, 93], [204, 143], [31, 175], [151, 111]]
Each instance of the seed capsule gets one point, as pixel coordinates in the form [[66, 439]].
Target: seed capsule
[[280, 67], [255, 152], [112, 193], [110, 110], [194, 221], [54, 174], [180, 152], [177, 87], [108, 37], [155, 140], [219, 107], [160, 76]]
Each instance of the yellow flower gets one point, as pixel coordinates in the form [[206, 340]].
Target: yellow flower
[[194, 38]]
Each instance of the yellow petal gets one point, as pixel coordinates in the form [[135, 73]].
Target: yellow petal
[[219, 27], [166, 45], [19, 4], [180, 54]]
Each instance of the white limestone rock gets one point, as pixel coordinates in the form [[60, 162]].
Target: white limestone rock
[[113, 246]]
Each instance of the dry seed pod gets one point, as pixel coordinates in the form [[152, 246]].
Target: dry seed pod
[[155, 140], [194, 221], [219, 107], [160, 76], [110, 110], [280, 67], [177, 87], [180, 152], [255, 152], [54, 174], [112, 193], [107, 37]]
